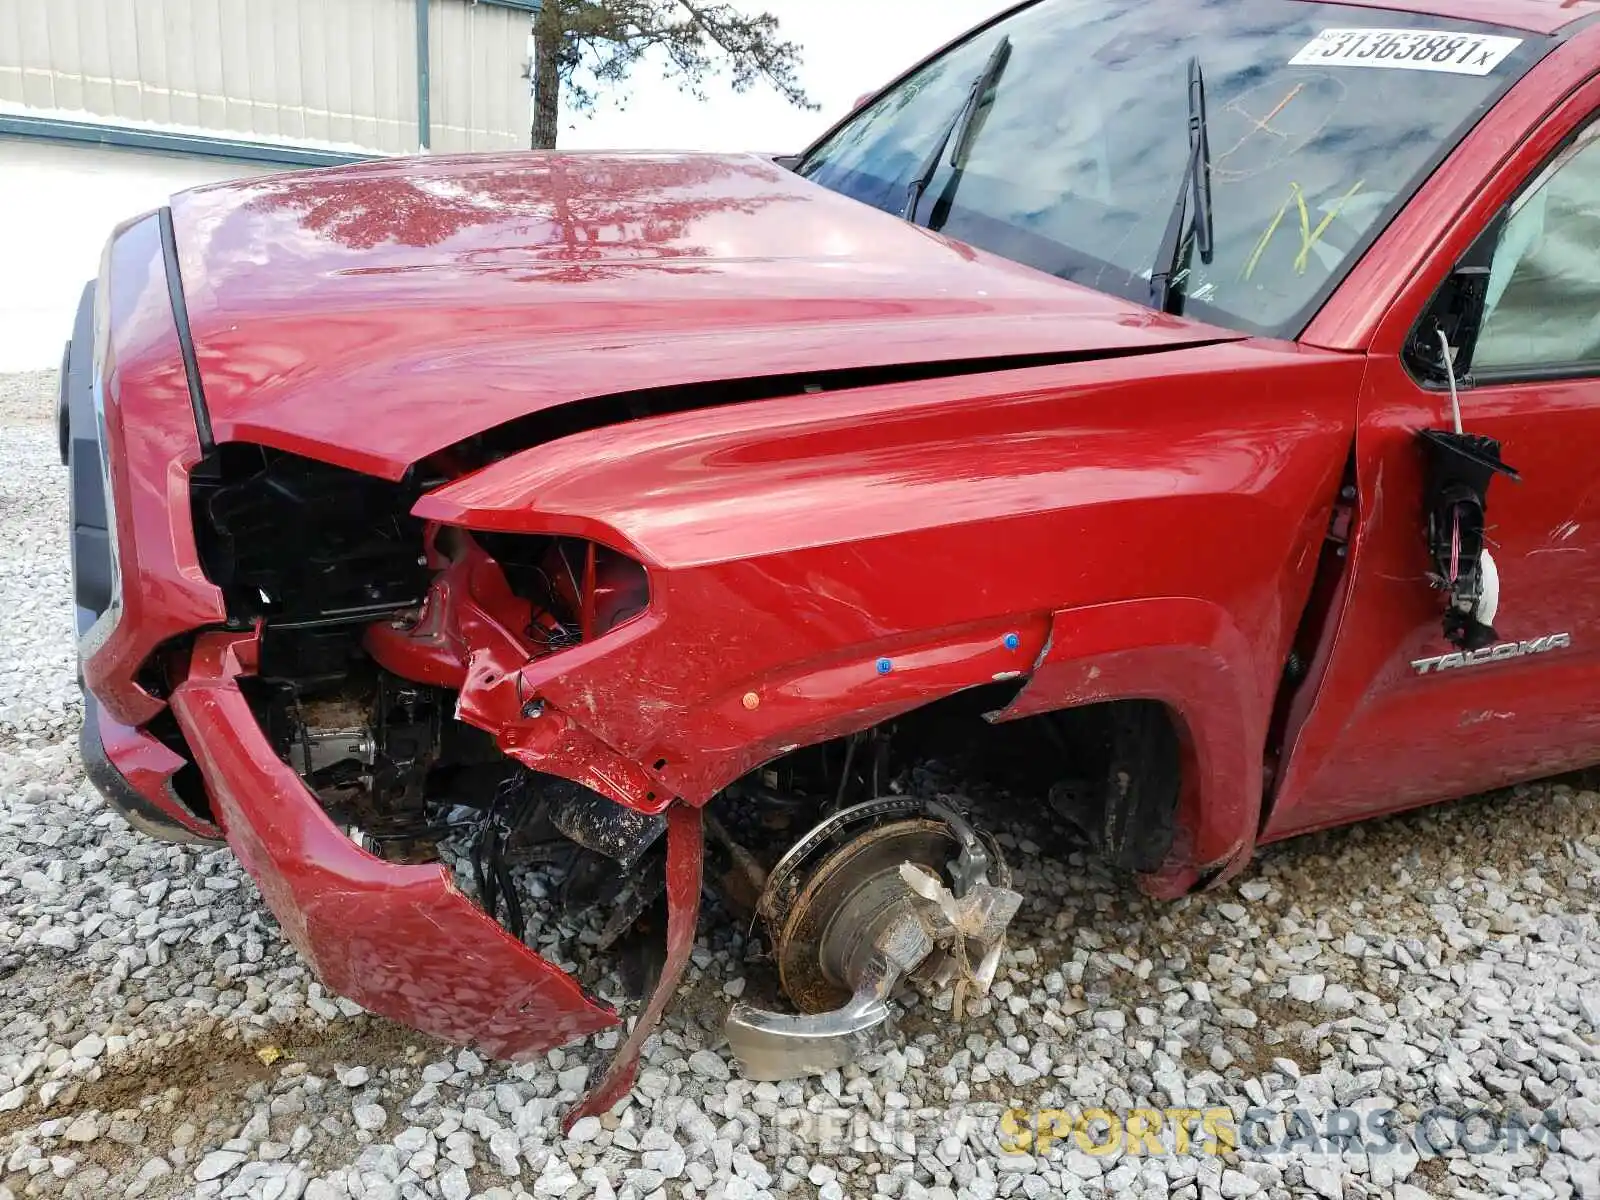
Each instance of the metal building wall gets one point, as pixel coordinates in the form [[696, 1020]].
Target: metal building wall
[[479, 80], [327, 71]]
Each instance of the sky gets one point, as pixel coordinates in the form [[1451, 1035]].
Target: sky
[[851, 46]]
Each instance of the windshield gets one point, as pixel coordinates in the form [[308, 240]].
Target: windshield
[[1322, 120]]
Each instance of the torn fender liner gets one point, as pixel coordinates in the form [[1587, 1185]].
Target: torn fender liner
[[401, 941], [685, 860]]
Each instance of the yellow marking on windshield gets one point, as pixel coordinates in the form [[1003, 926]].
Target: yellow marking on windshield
[[1314, 236], [1266, 236], [1309, 237]]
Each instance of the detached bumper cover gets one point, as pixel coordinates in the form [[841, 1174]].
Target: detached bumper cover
[[400, 941]]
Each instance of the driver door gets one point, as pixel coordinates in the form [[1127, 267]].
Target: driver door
[[1399, 718]]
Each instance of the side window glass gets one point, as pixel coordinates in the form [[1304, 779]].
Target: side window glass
[[1543, 306]]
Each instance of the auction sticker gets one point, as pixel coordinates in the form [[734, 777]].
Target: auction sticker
[[1407, 50]]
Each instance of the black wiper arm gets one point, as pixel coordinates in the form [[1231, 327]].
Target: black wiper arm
[[1190, 227], [959, 127]]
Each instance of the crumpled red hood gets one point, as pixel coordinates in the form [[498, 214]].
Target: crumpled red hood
[[378, 313]]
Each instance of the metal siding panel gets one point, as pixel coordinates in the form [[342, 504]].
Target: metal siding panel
[[262, 49], [371, 84], [469, 114], [442, 77], [491, 118], [363, 74], [183, 81], [241, 73], [324, 70], [481, 39], [404, 58], [409, 77], [470, 83], [150, 53], [233, 76], [464, 81], [66, 56], [444, 22], [406, 72], [10, 51], [464, 78], [314, 68], [480, 95], [379, 95], [511, 113], [518, 96], [287, 88], [394, 73], [93, 63], [110, 26], [33, 34], [210, 75], [339, 46]]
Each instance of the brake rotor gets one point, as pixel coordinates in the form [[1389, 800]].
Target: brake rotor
[[845, 901], [890, 889]]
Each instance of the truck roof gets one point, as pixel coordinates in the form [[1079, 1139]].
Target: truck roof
[[1534, 16]]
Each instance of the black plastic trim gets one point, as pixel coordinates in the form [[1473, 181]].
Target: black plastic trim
[[63, 423], [1511, 376], [86, 500], [180, 318]]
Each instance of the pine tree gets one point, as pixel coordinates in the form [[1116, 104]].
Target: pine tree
[[581, 46]]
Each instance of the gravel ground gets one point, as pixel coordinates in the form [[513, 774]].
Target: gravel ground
[[159, 1038]]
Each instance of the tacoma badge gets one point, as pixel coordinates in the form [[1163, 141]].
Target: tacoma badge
[[1500, 653]]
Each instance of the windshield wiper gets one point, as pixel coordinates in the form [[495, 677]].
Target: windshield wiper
[[1189, 228], [960, 128]]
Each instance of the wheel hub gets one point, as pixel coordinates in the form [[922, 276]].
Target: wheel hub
[[852, 895], [872, 895]]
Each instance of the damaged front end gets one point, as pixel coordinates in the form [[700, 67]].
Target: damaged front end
[[484, 716], [410, 694]]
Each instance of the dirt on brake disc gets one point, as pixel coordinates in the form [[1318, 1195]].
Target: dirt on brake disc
[[814, 946]]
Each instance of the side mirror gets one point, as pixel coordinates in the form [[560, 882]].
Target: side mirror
[[1457, 309]]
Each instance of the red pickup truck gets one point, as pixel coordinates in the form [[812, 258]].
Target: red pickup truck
[[1184, 405]]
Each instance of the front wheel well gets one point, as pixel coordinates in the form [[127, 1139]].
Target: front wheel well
[[1123, 794], [1113, 771]]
